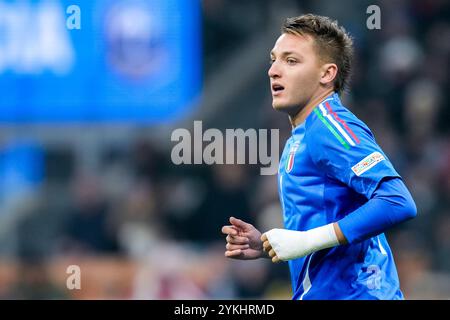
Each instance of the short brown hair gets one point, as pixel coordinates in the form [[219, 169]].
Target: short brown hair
[[333, 43]]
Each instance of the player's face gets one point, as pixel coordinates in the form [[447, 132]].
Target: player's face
[[294, 73]]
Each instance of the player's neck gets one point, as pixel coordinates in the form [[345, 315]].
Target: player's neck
[[306, 110]]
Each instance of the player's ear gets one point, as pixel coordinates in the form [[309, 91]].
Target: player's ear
[[329, 73]]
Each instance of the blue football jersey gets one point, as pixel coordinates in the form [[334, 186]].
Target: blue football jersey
[[330, 166]]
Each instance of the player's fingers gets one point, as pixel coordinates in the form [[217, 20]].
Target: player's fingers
[[264, 237], [272, 253], [230, 246], [236, 240], [276, 259], [233, 253], [229, 230], [239, 223], [267, 246]]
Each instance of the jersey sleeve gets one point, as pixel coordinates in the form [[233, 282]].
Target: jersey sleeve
[[344, 149]]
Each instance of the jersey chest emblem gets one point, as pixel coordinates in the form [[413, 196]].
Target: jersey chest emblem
[[291, 157]]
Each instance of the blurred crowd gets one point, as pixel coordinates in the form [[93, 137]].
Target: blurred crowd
[[141, 227]]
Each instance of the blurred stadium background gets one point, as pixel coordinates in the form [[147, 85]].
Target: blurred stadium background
[[85, 123]]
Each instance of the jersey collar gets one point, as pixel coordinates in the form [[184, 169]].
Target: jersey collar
[[331, 96]]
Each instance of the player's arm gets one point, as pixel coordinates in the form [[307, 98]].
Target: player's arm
[[390, 204]]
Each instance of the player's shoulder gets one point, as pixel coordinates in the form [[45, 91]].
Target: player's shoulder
[[331, 122]]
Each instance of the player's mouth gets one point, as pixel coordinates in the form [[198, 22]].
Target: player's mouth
[[277, 89]]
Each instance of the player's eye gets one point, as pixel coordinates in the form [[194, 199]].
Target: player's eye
[[291, 61], [271, 61]]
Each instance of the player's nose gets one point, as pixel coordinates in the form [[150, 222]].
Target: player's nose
[[274, 71]]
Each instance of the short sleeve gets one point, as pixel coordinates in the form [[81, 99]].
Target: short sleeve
[[343, 147]]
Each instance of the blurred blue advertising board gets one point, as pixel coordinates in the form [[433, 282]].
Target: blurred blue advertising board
[[98, 61], [21, 169]]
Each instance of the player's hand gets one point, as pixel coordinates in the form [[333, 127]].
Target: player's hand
[[243, 240], [268, 248]]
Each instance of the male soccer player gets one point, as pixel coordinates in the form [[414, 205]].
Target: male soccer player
[[339, 192]]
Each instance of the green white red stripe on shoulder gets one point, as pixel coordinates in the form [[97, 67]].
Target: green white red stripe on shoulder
[[337, 126]]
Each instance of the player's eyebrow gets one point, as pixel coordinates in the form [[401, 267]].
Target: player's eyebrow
[[285, 53]]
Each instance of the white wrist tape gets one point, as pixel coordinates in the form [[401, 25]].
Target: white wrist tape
[[289, 244]]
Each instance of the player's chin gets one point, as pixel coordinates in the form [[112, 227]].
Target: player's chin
[[279, 105]]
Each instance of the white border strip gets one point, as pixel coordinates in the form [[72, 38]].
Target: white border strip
[[306, 282], [383, 251]]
